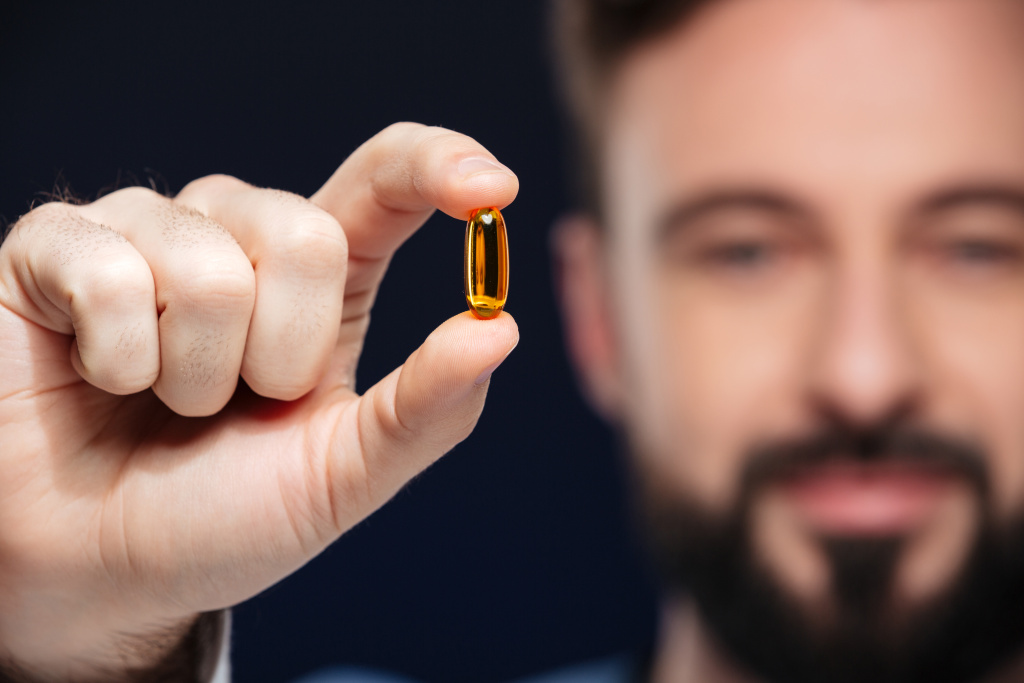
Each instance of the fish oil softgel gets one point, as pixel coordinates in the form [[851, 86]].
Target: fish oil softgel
[[486, 263]]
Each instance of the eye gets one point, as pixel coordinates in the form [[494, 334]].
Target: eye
[[740, 255], [741, 245], [982, 252], [977, 238]]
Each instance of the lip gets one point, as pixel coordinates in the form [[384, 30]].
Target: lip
[[854, 499]]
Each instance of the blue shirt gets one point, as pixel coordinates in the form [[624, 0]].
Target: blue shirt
[[614, 670]]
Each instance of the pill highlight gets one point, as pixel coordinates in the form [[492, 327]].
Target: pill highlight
[[486, 263]]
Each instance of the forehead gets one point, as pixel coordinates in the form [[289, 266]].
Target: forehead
[[825, 96]]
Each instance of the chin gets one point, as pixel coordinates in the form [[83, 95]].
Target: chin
[[890, 607]]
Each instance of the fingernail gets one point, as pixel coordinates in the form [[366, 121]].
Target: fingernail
[[486, 374], [473, 165]]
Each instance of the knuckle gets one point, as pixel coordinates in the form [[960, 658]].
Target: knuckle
[[416, 142], [134, 196], [314, 239], [122, 277], [50, 214], [47, 212], [137, 192], [217, 183], [401, 129], [435, 140], [60, 233], [222, 283]]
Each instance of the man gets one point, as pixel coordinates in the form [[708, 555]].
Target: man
[[800, 294], [798, 290]]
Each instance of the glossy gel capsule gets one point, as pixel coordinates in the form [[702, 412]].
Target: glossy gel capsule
[[486, 263]]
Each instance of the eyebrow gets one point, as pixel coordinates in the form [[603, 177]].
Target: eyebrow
[[1003, 195], [687, 212]]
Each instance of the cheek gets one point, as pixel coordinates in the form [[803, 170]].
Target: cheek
[[977, 352], [718, 371]]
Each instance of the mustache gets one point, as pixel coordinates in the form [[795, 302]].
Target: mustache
[[770, 462]]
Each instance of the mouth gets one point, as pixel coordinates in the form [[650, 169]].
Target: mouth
[[844, 498]]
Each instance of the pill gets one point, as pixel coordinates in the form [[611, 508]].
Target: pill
[[486, 263]]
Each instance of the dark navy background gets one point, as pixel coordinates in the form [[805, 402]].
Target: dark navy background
[[509, 556]]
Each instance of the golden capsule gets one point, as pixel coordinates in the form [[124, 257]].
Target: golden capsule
[[486, 263]]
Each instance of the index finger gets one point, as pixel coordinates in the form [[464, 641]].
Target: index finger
[[389, 187]]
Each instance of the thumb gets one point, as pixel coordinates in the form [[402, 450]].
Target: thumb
[[419, 412]]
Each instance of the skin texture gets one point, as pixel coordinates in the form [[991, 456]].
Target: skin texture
[[814, 211], [125, 326]]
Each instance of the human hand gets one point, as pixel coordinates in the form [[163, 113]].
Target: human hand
[[142, 484]]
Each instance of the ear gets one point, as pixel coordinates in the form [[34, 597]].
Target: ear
[[584, 292]]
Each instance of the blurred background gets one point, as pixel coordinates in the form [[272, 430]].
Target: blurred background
[[510, 556]]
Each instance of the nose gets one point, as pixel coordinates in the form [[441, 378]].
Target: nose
[[865, 369]]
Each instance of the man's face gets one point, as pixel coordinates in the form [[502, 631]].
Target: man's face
[[815, 264]]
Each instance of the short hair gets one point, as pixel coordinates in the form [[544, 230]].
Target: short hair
[[590, 39]]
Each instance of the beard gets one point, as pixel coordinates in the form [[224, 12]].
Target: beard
[[962, 633]]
